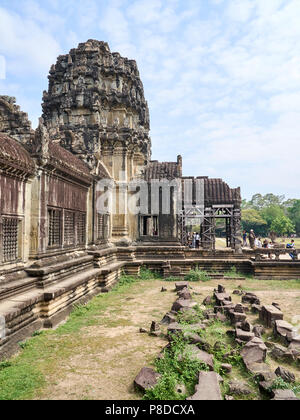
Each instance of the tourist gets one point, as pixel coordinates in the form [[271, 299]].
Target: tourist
[[258, 243], [293, 254], [244, 239], [270, 246], [197, 240], [194, 240], [252, 239]]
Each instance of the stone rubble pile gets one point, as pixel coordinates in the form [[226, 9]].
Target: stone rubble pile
[[251, 346]]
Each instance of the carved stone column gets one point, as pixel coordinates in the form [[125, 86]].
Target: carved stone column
[[237, 243], [120, 219]]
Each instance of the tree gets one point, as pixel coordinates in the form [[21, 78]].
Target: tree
[[294, 213], [283, 226], [270, 213], [251, 219], [256, 202]]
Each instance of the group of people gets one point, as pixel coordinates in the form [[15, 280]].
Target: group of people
[[194, 240], [256, 242]]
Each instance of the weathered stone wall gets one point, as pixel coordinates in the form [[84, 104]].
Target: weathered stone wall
[[13, 121]]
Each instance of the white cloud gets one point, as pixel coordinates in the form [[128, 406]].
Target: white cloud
[[2, 67], [25, 44], [240, 10]]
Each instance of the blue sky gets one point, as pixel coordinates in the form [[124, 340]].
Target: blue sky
[[222, 77]]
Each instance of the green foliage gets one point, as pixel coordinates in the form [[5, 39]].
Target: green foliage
[[190, 317], [5, 364], [197, 275], [165, 390], [251, 219], [232, 272], [294, 214], [176, 367], [260, 201], [125, 280], [269, 213], [283, 226], [147, 274], [279, 383]]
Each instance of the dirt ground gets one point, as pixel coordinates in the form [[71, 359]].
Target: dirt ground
[[106, 357]]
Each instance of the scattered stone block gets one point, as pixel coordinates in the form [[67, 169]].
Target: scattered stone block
[[221, 289], [239, 388], [192, 338], [269, 314], [185, 294], [256, 309], [221, 317], [236, 317], [168, 319], [244, 336], [246, 326], [261, 371], [284, 395], [254, 351], [226, 367], [143, 331], [287, 376], [181, 285], [163, 290], [294, 341], [265, 387], [175, 328], [258, 331], [207, 301], [250, 298], [155, 329], [210, 315], [221, 298], [276, 305], [200, 355], [182, 305], [291, 355], [284, 331], [208, 388], [278, 351], [146, 379], [239, 308]]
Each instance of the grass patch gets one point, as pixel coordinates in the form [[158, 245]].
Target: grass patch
[[24, 375], [172, 279], [197, 276]]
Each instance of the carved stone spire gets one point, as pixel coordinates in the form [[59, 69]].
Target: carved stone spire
[[93, 94]]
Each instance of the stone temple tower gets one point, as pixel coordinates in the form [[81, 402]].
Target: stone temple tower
[[95, 108]]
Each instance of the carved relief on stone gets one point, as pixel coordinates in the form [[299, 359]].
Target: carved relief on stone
[[95, 83], [41, 141]]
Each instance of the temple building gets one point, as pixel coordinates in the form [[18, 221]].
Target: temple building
[[58, 246]]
